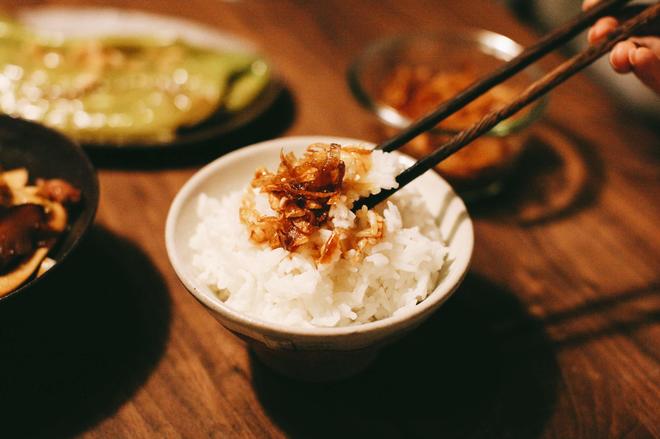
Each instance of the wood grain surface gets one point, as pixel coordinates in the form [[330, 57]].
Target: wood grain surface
[[554, 333]]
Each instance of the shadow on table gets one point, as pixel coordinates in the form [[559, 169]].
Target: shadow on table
[[558, 175], [270, 124], [455, 376], [622, 313], [74, 350]]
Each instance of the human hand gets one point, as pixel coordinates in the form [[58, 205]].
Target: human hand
[[640, 55]]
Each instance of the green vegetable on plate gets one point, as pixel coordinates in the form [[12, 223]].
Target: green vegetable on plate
[[121, 90]]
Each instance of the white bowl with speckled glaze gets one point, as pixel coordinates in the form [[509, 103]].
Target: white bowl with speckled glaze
[[312, 353]]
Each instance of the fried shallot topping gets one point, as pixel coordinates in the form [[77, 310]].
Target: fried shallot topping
[[301, 194]]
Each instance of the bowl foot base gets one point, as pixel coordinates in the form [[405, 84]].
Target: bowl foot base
[[316, 366]]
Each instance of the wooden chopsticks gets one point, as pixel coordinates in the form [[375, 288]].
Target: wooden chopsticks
[[537, 89]]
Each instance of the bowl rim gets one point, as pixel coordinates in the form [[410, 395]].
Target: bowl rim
[[494, 41], [459, 267], [91, 197]]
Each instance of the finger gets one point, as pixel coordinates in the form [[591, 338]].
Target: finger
[[587, 4], [646, 66], [601, 28], [652, 43], [620, 56]]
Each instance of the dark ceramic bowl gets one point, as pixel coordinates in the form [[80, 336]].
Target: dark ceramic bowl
[[48, 154]]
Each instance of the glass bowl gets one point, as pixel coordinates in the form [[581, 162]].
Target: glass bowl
[[441, 65]]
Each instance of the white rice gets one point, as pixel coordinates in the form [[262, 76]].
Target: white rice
[[292, 289]]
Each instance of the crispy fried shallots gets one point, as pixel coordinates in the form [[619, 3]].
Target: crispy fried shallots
[[416, 90], [301, 193]]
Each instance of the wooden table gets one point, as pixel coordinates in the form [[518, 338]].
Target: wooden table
[[554, 333]]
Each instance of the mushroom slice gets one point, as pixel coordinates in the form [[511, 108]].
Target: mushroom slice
[[16, 178], [12, 280], [46, 265], [57, 217]]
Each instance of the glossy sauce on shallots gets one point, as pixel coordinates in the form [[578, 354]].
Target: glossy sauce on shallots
[[301, 194]]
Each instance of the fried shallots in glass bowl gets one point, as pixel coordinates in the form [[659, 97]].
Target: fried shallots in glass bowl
[[403, 78]]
